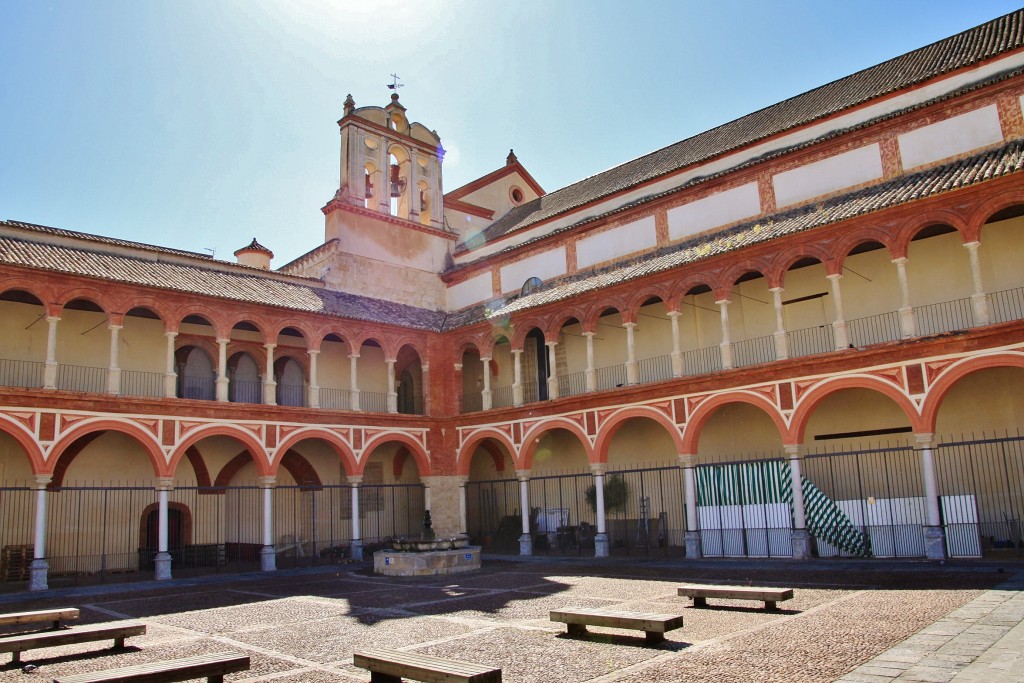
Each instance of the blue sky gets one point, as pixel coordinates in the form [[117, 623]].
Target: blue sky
[[202, 124]]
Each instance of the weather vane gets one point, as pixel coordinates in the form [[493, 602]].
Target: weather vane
[[395, 85]]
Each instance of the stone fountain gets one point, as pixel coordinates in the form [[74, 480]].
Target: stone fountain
[[427, 555]]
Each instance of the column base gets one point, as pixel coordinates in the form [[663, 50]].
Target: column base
[[162, 567], [38, 572], [692, 543], [268, 558], [355, 549], [601, 545], [801, 544], [934, 543], [526, 544]]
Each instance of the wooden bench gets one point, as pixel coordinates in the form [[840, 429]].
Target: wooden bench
[[213, 666], [21, 642], [389, 666], [654, 626], [52, 615], [700, 594]]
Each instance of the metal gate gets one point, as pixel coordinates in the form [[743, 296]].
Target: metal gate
[[561, 520], [651, 519], [493, 517]]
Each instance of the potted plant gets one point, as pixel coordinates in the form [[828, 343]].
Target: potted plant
[[616, 494]]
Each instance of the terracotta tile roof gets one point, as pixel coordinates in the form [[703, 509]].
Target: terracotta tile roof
[[962, 50], [60, 232], [958, 174], [202, 277]]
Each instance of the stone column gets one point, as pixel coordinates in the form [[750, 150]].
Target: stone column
[[162, 562], [114, 371], [526, 540], [726, 345], [269, 384], [50, 367], [170, 375], [463, 522], [934, 535], [39, 569], [268, 554], [222, 369], [842, 339], [313, 396], [692, 537], [780, 334], [590, 374], [631, 368], [601, 537], [392, 394], [517, 377], [979, 299], [553, 370], [485, 395], [425, 389], [677, 354], [356, 545], [908, 325], [801, 539], [354, 381]]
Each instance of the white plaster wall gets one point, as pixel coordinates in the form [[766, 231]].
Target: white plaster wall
[[956, 135], [828, 175], [710, 212], [617, 242], [1001, 253], [545, 265], [472, 291]]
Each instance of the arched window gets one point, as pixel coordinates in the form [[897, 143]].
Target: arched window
[[530, 285]]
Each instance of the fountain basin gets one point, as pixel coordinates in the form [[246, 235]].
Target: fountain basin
[[426, 563]]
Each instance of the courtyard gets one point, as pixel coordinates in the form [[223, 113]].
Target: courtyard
[[304, 625]]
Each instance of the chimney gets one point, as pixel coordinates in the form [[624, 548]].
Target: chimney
[[254, 254]]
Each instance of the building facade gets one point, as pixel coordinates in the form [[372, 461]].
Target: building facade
[[798, 334]]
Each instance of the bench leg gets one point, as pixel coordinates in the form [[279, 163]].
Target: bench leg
[[699, 601], [378, 677], [770, 605], [16, 657], [119, 643], [219, 678], [577, 630], [653, 637]]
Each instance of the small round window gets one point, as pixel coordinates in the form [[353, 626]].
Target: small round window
[[517, 195]]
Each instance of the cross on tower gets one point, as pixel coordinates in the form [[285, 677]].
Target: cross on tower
[[395, 85]]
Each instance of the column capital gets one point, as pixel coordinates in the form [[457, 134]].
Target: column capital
[[723, 302], [163, 483], [462, 479], [598, 468], [794, 451], [776, 289], [266, 482], [353, 355], [523, 475], [312, 352], [686, 460], [222, 341], [485, 359], [549, 344], [972, 245], [458, 367], [516, 352], [629, 325], [40, 481], [53, 318], [673, 314], [899, 260], [390, 361], [269, 346], [114, 326], [835, 276], [354, 479], [924, 440], [171, 334]]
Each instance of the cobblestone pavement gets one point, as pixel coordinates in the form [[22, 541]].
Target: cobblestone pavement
[[303, 625]]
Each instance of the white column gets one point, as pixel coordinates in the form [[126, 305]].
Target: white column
[[839, 324], [590, 374], [268, 554], [908, 325], [313, 398], [934, 536], [392, 394], [601, 537], [425, 368], [632, 376], [354, 384], [222, 369], [801, 540], [114, 371], [463, 521], [677, 354], [356, 546], [162, 562], [50, 368], [726, 345], [486, 393], [170, 374], [269, 384], [39, 568], [517, 377], [553, 370], [692, 537], [412, 189], [526, 540], [780, 334], [979, 299]]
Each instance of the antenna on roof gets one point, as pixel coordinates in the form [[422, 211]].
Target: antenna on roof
[[395, 85], [212, 250]]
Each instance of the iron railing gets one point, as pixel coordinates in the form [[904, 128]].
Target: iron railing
[[472, 403], [611, 377], [335, 399], [754, 351], [200, 388], [81, 378], [135, 383], [21, 373], [373, 401], [811, 340], [874, 329], [572, 384], [654, 369], [291, 395], [702, 361], [1007, 305], [947, 316], [501, 397]]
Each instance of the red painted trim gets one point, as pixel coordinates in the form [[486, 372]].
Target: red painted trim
[[704, 411], [338, 205], [466, 207], [334, 440], [146, 439], [247, 438], [17, 432], [813, 397], [416, 448], [483, 181], [532, 438], [615, 422], [950, 376], [464, 457]]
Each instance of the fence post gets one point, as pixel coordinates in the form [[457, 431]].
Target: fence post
[[601, 538], [268, 554], [801, 539], [162, 562], [934, 537], [356, 545], [526, 540], [692, 538], [39, 569]]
